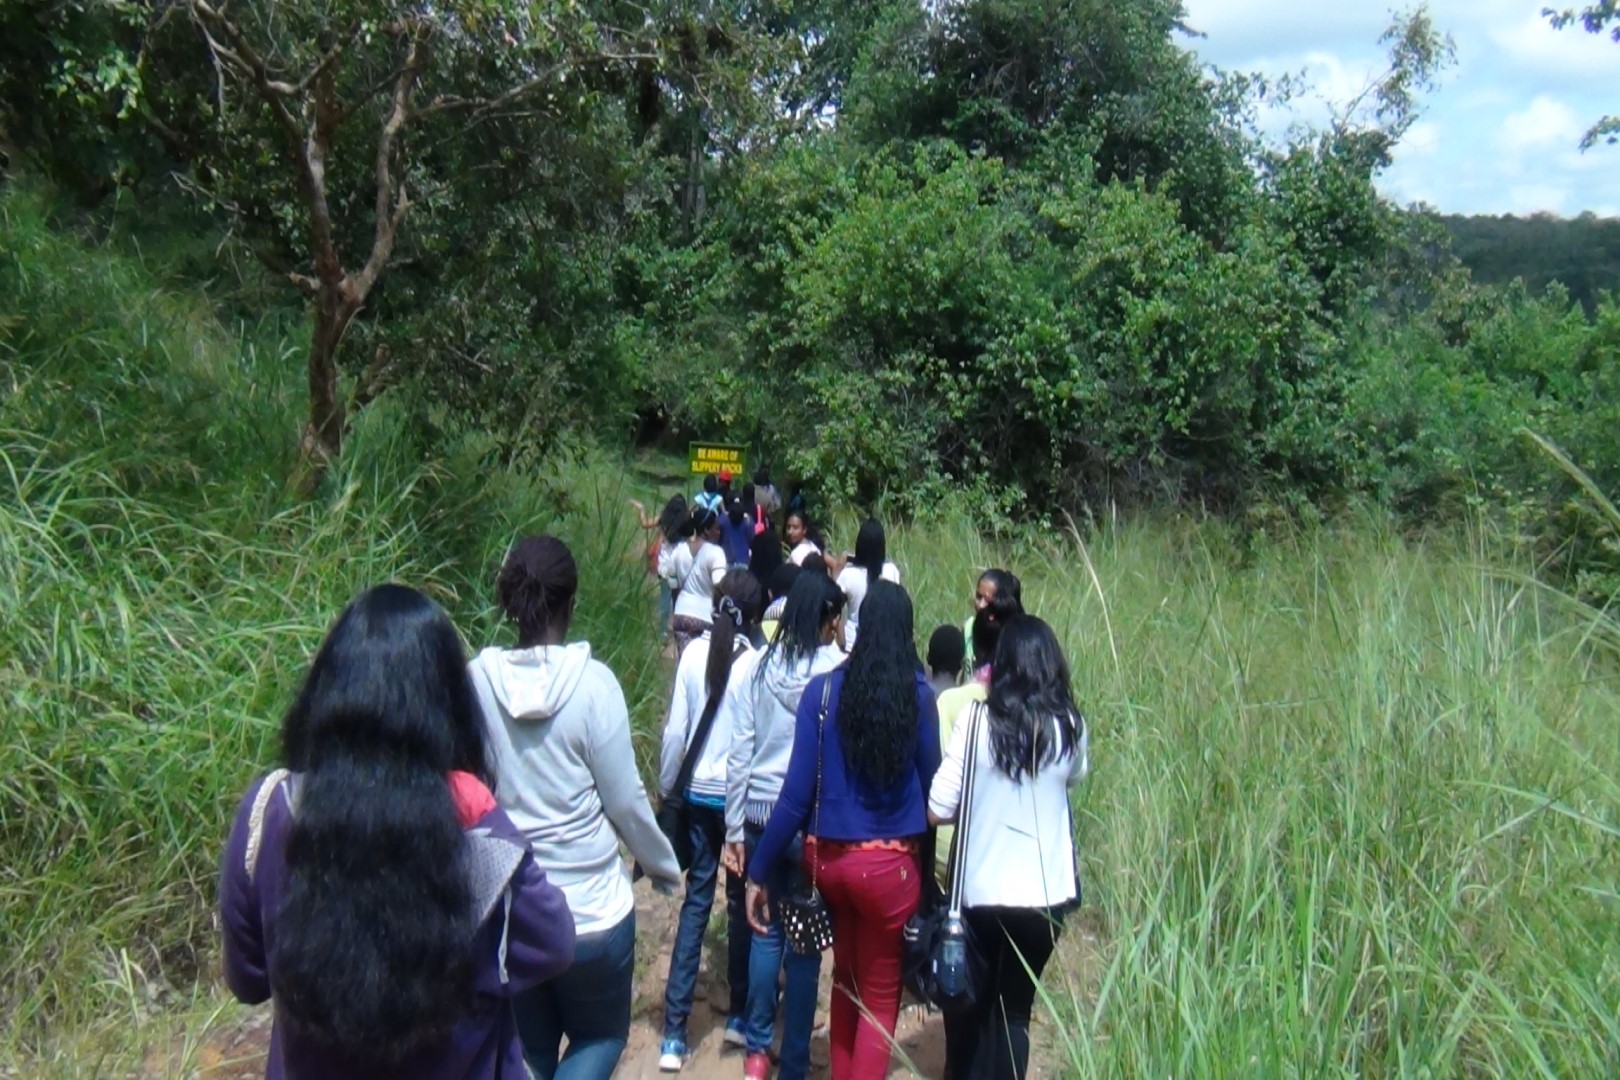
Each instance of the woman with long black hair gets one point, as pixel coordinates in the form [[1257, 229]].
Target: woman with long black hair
[[371, 887], [865, 816], [702, 679], [560, 730], [998, 596], [869, 563], [763, 703], [1029, 746]]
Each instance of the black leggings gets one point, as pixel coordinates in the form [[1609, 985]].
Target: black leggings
[[991, 1042]]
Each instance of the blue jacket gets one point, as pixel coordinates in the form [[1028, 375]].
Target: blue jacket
[[735, 539], [851, 808]]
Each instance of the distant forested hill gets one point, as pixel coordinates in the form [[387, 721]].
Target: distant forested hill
[[1581, 252]]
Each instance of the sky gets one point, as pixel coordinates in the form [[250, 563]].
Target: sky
[[1501, 134]]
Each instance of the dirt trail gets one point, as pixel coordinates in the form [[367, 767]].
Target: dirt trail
[[233, 1046]]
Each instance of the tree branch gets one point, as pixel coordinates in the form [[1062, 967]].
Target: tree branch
[[308, 152], [389, 218]]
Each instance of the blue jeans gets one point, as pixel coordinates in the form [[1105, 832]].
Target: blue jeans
[[768, 957], [708, 825], [589, 1003]]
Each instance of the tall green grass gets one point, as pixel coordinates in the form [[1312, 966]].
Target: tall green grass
[[1354, 809], [1354, 806], [162, 588]]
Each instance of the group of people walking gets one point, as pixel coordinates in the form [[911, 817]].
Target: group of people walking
[[432, 884]]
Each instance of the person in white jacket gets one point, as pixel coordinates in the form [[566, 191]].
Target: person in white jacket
[[559, 736], [1028, 745], [697, 567], [762, 702], [708, 667]]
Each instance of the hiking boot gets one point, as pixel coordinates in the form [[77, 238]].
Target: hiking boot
[[671, 1055], [756, 1066]]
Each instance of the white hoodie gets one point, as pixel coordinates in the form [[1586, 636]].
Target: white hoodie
[[559, 734], [762, 708], [686, 709]]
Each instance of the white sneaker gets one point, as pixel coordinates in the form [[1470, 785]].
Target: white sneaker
[[734, 1032], [671, 1056]]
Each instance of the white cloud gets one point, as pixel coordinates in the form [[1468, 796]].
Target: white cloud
[[1501, 134], [1545, 124], [1422, 141], [1565, 57]]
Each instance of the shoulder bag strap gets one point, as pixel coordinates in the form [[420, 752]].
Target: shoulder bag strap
[[693, 568], [261, 803], [700, 734], [821, 732], [964, 816]]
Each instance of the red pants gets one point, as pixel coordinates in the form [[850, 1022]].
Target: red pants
[[871, 895]]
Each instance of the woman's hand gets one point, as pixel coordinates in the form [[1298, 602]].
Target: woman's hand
[[758, 905], [731, 857]]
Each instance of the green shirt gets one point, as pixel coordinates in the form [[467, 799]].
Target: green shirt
[[952, 704]]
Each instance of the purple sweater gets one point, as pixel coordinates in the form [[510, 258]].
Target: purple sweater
[[538, 934], [851, 808]]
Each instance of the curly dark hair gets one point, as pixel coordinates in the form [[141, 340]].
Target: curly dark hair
[[877, 708], [672, 519], [536, 587], [371, 953]]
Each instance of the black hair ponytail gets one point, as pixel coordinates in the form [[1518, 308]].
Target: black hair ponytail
[[738, 603]]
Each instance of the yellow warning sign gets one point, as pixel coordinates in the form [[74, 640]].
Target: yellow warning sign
[[717, 457]]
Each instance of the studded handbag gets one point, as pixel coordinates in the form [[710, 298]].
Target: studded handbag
[[806, 919]]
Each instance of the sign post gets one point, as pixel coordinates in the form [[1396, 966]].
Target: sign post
[[705, 458]]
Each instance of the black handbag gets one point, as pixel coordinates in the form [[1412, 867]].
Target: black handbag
[[939, 962], [674, 815], [806, 919]]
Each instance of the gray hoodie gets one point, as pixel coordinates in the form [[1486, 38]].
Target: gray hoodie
[[559, 733], [762, 706]]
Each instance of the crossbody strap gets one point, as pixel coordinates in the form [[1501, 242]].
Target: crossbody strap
[[964, 817], [821, 732], [700, 734], [693, 568], [261, 803]]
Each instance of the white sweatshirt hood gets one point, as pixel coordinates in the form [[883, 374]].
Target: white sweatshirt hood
[[786, 682], [534, 684]]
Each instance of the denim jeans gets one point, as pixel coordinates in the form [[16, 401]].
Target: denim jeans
[[708, 825], [589, 1004], [768, 957]]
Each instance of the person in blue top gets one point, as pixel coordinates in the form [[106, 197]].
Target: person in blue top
[[736, 533], [876, 755], [709, 498]]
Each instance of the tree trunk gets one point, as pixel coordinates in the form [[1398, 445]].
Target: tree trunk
[[328, 416]]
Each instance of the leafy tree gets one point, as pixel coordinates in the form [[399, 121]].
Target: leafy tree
[[341, 120], [341, 140]]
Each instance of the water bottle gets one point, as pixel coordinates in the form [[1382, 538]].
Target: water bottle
[[952, 973]]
